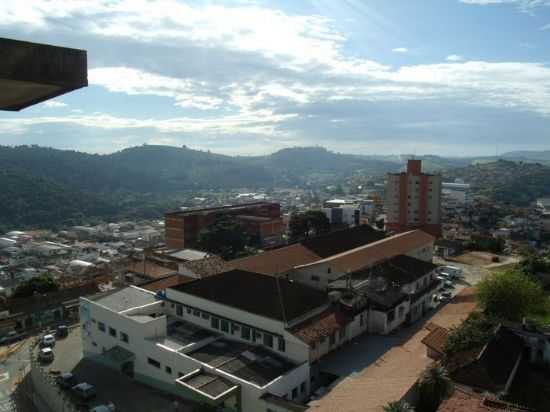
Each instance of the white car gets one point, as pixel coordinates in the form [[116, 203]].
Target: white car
[[48, 341], [110, 407], [46, 355], [452, 270]]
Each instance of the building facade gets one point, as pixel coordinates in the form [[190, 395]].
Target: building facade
[[413, 200], [262, 221]]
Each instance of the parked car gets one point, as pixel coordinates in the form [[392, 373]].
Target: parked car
[[66, 380], [11, 337], [84, 391], [45, 355], [62, 331], [47, 341], [448, 284], [452, 270], [445, 295], [110, 407]]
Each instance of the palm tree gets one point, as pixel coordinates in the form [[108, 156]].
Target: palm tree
[[398, 407], [434, 386]]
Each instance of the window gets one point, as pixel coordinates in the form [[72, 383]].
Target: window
[[329, 270], [172, 305], [179, 310], [323, 339], [295, 393], [205, 315], [93, 320], [112, 332], [361, 319], [168, 370], [189, 310], [101, 326], [94, 344], [225, 326], [196, 312], [332, 339], [282, 345], [257, 335], [303, 387], [245, 332], [391, 315], [268, 340], [235, 328], [315, 278], [153, 362], [215, 322], [124, 337]]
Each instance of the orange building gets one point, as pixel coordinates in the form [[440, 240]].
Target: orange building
[[413, 200]]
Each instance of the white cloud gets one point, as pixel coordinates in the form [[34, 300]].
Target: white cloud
[[186, 92], [261, 123], [291, 64], [454, 58], [524, 5], [547, 27], [54, 103]]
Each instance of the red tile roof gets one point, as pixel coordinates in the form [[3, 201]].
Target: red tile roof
[[372, 253], [437, 338], [167, 282], [275, 261], [149, 269], [466, 401], [322, 325]]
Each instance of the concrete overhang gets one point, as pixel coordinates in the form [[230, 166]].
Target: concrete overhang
[[31, 73]]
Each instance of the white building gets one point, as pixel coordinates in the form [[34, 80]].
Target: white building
[[456, 193], [246, 341], [215, 329]]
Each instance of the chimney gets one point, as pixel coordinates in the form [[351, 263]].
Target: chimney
[[414, 167]]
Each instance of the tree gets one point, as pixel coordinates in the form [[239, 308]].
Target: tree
[[398, 407], [434, 386], [39, 284], [532, 263], [306, 224], [225, 237], [473, 333], [511, 295]]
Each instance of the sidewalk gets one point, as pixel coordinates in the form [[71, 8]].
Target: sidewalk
[[395, 372]]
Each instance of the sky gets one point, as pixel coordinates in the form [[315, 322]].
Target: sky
[[444, 77]]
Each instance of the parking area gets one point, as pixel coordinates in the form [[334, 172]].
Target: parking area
[[471, 275], [125, 393]]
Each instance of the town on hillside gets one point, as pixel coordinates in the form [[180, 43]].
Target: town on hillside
[[408, 290]]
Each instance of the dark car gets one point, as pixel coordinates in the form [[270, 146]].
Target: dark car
[[62, 331], [66, 380], [84, 391], [11, 337]]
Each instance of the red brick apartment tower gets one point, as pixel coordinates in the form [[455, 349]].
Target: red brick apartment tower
[[413, 200], [261, 219]]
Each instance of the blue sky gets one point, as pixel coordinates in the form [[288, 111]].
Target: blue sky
[[448, 77]]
